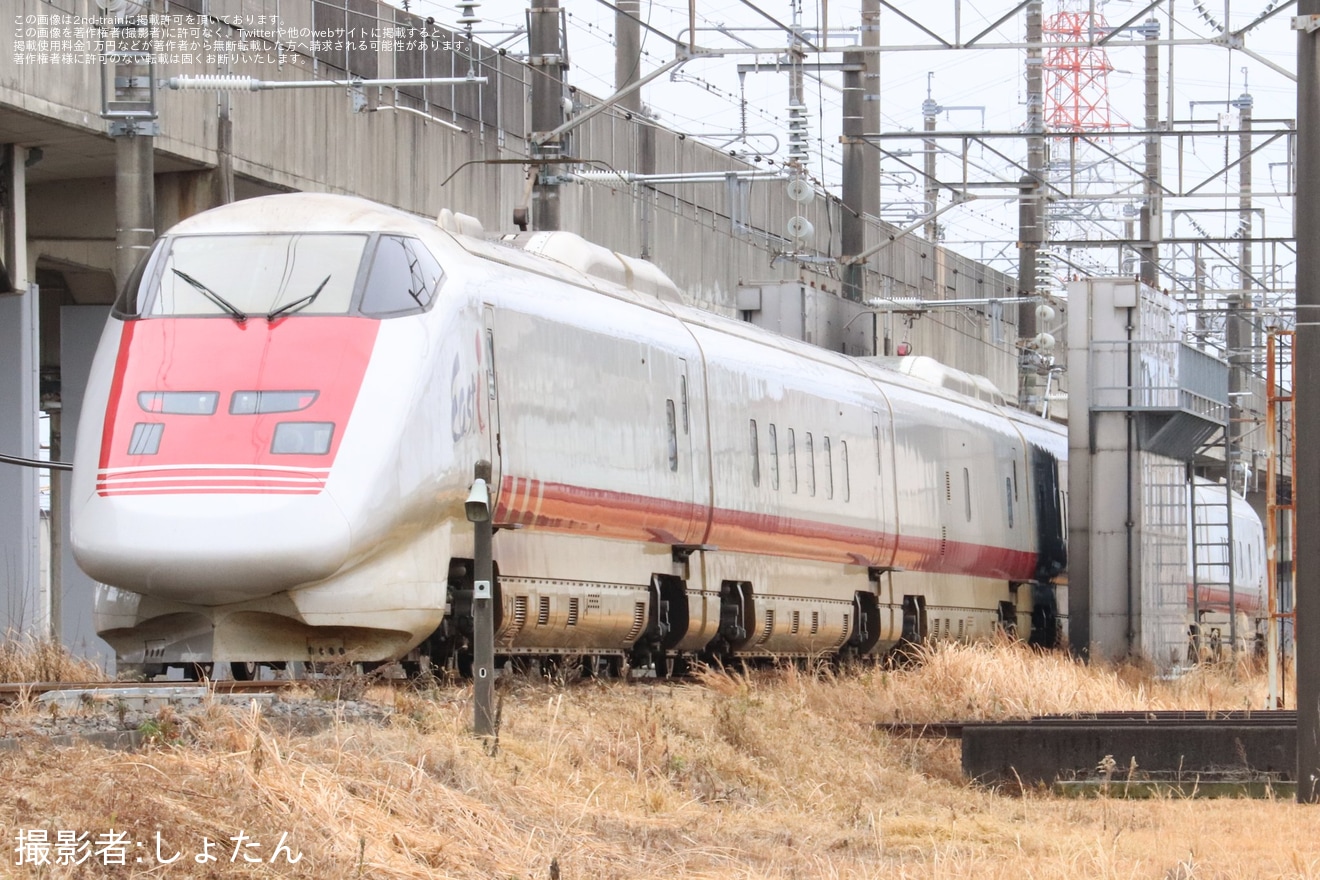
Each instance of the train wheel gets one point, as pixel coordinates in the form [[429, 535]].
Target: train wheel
[[245, 670]]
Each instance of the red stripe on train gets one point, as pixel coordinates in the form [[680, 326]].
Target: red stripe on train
[[633, 517]]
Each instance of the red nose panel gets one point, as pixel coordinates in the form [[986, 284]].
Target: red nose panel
[[220, 451]]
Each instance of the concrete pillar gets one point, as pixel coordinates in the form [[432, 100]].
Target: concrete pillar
[[24, 602], [80, 330], [135, 198], [856, 184], [871, 104], [1031, 212], [1152, 211], [547, 74]]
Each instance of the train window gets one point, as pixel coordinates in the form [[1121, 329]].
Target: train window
[[302, 438], [1015, 485], [967, 492], [774, 458], [252, 402], [756, 458], [829, 470], [843, 472], [811, 468], [792, 461], [402, 280], [673, 435], [682, 390], [246, 275], [1008, 496], [182, 403], [145, 439]]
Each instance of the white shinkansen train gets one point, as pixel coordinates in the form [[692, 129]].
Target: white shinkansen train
[[1209, 597], [287, 404]]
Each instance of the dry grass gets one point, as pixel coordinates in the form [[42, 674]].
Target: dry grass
[[24, 658], [776, 774]]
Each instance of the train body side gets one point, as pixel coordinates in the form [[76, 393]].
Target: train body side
[[668, 482]]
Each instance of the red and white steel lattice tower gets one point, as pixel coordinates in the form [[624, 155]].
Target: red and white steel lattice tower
[[1076, 76]]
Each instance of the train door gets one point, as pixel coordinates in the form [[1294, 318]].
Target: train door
[[489, 400], [880, 466], [689, 468]]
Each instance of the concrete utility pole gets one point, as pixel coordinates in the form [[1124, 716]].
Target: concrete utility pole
[[628, 53], [627, 71], [1306, 390], [547, 62], [856, 183], [1238, 321], [1031, 211], [135, 201], [871, 104], [1151, 211], [128, 104]]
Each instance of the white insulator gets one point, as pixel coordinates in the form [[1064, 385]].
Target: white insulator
[[225, 82], [1044, 313], [1044, 341], [800, 191], [800, 228]]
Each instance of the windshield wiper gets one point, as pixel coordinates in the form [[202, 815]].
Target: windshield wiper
[[299, 303], [233, 310]]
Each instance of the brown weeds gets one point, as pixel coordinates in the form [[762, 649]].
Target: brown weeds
[[24, 658], [778, 773]]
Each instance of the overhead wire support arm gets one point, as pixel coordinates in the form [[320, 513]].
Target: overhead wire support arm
[[918, 25], [1003, 18], [959, 199], [792, 32], [544, 137], [1127, 24]]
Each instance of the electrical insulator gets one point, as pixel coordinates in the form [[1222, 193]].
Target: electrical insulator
[[798, 136], [467, 15]]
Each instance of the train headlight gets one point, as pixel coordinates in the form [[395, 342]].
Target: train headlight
[[477, 505]]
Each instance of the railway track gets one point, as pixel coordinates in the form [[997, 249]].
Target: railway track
[[1100, 722], [13, 691]]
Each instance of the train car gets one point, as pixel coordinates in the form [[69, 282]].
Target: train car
[[1211, 604], [287, 403]]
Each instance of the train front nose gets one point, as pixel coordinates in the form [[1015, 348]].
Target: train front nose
[[242, 547], [210, 480]]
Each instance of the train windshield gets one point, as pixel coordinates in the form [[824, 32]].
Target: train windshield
[[247, 275]]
